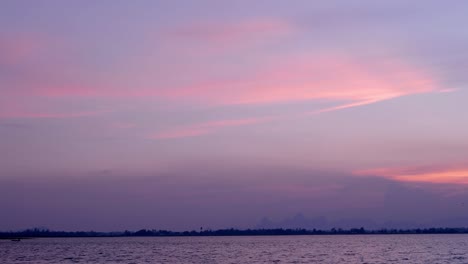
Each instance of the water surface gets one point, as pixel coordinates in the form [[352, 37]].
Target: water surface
[[260, 249]]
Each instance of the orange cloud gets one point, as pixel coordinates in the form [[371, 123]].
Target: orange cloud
[[205, 128], [453, 174]]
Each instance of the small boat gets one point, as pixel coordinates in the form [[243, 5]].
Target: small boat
[[16, 239]]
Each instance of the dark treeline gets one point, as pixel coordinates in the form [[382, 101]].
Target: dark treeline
[[228, 232]]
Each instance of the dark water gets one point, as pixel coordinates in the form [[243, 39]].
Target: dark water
[[271, 249]]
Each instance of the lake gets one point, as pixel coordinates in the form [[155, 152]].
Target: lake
[[248, 249]]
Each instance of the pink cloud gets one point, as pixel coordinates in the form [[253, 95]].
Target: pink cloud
[[28, 110], [344, 106], [205, 128], [456, 174], [123, 125], [326, 78], [235, 32], [17, 115], [16, 49], [75, 91], [182, 133], [329, 78], [334, 78]]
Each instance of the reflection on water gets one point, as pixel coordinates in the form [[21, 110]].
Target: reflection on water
[[271, 249]]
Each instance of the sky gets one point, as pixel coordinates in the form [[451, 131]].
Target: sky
[[178, 115]]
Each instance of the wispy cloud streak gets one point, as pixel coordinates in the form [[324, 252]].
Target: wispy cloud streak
[[25, 115], [431, 174], [205, 128]]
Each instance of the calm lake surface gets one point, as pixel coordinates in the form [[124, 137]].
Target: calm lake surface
[[261, 249]]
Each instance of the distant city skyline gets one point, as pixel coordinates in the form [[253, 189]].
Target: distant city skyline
[[173, 115]]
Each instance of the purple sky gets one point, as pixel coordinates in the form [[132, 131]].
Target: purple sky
[[162, 114]]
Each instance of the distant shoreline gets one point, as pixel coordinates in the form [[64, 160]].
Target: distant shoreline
[[41, 233]]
